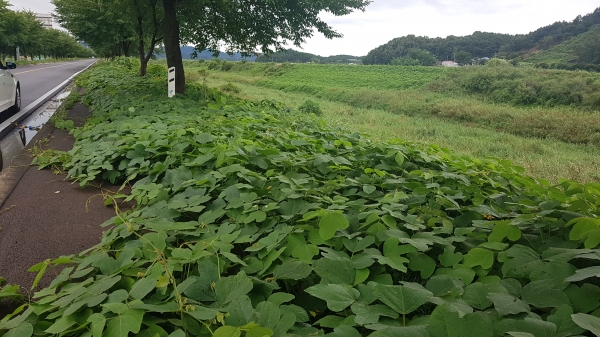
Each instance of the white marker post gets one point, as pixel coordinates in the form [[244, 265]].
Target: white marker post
[[171, 85]]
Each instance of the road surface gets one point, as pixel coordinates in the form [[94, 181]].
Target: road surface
[[37, 80]]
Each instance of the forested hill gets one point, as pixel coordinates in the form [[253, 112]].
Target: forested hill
[[478, 44], [295, 56], [481, 44]]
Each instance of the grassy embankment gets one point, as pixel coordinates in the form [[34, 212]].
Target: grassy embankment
[[508, 118]]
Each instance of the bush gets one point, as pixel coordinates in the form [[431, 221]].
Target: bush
[[495, 62], [226, 66], [311, 107], [214, 64], [230, 88]]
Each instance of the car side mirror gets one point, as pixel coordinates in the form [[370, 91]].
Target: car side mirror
[[10, 65]]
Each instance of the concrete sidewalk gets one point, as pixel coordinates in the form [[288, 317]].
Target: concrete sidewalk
[[44, 215]]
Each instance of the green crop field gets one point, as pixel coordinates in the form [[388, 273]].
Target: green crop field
[[317, 76]]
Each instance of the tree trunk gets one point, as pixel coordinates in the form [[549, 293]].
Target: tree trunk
[[171, 41]]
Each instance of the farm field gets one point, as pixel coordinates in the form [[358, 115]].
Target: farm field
[[549, 142]]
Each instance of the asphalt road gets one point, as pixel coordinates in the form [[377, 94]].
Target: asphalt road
[[39, 79]]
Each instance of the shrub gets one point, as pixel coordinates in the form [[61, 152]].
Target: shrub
[[227, 66], [214, 64], [495, 62], [311, 107], [230, 88]]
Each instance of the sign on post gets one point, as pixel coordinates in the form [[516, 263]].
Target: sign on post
[[171, 78]]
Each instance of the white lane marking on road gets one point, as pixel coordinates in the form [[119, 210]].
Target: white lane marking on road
[[27, 110], [28, 71]]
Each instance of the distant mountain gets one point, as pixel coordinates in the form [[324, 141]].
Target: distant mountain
[[294, 56], [515, 47], [186, 52]]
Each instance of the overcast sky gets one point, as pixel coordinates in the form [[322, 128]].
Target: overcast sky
[[386, 19]]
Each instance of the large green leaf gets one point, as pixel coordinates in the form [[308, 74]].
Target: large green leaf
[[565, 326], [476, 294], [585, 298], [337, 296], [23, 330], [229, 288], [445, 322], [409, 331], [227, 331], [123, 324], [542, 294], [335, 271], [582, 274], [479, 257], [506, 304], [292, 270], [403, 299], [330, 223], [588, 322], [368, 314]]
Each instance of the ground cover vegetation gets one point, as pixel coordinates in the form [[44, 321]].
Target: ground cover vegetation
[[528, 102], [542, 158], [252, 219], [20, 29]]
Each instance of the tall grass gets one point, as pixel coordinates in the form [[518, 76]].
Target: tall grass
[[459, 125]]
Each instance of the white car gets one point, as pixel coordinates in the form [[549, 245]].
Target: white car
[[10, 89]]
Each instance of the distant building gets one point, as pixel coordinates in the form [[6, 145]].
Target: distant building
[[45, 19], [449, 64]]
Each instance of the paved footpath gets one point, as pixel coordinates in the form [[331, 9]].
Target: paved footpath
[[43, 215]]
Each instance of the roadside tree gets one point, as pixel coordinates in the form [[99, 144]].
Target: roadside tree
[[245, 26]]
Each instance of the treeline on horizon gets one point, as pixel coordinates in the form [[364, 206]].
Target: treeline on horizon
[[294, 56], [21, 29], [481, 45]]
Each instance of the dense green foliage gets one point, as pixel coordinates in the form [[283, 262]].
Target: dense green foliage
[[481, 44], [478, 44], [580, 52], [255, 221], [526, 86], [21, 29], [415, 57], [467, 95]]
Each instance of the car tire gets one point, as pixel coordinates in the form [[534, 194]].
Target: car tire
[[17, 106]]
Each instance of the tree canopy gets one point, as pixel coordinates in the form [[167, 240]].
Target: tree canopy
[[114, 27], [246, 26], [21, 29]]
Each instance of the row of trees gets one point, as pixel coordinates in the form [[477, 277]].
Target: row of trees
[[118, 27], [21, 29]]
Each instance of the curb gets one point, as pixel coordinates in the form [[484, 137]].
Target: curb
[[11, 176]]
